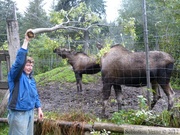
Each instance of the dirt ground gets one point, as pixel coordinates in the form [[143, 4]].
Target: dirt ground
[[63, 98]]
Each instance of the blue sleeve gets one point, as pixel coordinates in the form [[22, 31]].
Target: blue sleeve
[[18, 64], [38, 102]]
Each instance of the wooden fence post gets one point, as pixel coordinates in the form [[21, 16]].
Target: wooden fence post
[[13, 46]]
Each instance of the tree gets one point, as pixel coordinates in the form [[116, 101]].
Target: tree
[[96, 6], [35, 16], [71, 30], [78, 23], [163, 25], [6, 7], [131, 13], [161, 15]]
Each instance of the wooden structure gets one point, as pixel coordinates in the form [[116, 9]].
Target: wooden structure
[[48, 125], [4, 56]]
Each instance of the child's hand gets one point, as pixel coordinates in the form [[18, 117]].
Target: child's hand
[[29, 34]]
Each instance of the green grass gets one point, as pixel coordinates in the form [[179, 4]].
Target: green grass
[[4, 129], [63, 74]]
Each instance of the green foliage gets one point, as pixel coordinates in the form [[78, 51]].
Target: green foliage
[[103, 132], [4, 129], [137, 117], [130, 17], [76, 13], [175, 83], [163, 118], [4, 46], [6, 13], [81, 21], [4, 68], [45, 43], [42, 51], [123, 117], [142, 116], [129, 29], [58, 17], [163, 22], [102, 52], [142, 102]]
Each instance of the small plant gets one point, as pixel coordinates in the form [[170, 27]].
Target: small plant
[[142, 102], [124, 117], [102, 132], [143, 116]]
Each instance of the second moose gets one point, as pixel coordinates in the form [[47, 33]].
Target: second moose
[[81, 63]]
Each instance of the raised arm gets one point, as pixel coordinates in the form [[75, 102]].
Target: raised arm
[[26, 40]]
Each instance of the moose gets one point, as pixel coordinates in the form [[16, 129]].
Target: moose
[[120, 66], [81, 63]]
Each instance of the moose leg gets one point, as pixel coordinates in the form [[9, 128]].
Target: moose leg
[[156, 93], [106, 93], [78, 81], [118, 93], [170, 94]]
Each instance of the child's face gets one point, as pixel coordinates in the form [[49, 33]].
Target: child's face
[[28, 68]]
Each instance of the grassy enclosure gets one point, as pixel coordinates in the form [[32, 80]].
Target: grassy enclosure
[[135, 117], [75, 123], [63, 74]]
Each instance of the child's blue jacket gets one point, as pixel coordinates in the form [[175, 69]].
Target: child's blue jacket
[[23, 92]]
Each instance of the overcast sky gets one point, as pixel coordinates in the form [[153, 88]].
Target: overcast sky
[[111, 9]]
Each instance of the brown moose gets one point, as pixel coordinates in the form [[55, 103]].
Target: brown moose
[[81, 63], [122, 67]]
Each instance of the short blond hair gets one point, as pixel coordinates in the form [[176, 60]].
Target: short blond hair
[[29, 59]]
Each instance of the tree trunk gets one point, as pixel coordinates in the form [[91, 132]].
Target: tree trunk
[[14, 45], [86, 44], [13, 39], [97, 126]]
